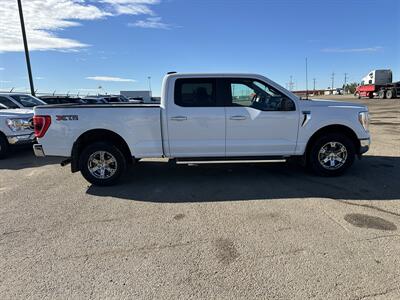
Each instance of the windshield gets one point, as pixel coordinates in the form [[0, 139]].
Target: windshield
[[27, 101]]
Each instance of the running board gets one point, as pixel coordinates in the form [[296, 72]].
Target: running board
[[221, 160]]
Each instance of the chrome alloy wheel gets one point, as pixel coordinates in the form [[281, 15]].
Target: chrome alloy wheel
[[332, 155], [102, 164]]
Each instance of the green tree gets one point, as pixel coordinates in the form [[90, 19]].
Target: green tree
[[350, 88]]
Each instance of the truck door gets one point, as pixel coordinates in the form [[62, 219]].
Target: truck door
[[260, 120], [196, 119]]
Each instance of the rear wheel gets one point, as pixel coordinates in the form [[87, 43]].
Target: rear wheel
[[382, 94], [390, 94], [3, 146], [331, 154], [371, 95], [102, 164]]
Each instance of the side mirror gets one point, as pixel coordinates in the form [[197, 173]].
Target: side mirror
[[287, 105]]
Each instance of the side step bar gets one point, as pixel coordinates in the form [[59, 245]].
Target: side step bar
[[241, 159]]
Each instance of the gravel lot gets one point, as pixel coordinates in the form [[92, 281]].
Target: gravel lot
[[208, 231]]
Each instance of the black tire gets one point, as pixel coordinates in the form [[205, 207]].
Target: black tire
[[390, 94], [357, 95], [118, 165], [315, 156], [382, 94], [371, 95], [3, 146]]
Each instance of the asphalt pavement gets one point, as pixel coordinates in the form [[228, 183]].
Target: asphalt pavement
[[242, 231]]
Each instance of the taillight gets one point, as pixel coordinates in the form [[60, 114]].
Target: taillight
[[40, 125]]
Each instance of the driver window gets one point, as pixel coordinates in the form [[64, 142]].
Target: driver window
[[251, 93], [241, 94]]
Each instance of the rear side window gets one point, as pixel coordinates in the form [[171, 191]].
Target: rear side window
[[195, 92], [8, 103]]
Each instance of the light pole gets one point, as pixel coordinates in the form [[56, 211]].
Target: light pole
[[28, 62]]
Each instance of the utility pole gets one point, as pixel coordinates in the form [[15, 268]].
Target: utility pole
[[28, 61], [306, 79], [314, 84], [345, 82], [149, 78], [333, 81], [291, 83]]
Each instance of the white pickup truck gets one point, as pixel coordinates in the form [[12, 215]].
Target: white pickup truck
[[209, 117], [16, 128]]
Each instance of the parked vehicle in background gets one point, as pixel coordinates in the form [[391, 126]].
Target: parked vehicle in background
[[115, 98], [205, 117], [378, 82], [61, 99], [16, 128], [94, 100], [15, 100], [136, 100]]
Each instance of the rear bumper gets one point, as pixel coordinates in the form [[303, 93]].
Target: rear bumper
[[21, 139], [364, 145], [38, 150]]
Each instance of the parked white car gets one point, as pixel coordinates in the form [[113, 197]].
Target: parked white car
[[16, 128], [15, 100], [205, 117]]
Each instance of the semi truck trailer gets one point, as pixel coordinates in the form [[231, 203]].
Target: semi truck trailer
[[378, 83]]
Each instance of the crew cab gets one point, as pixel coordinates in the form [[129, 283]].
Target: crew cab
[[209, 117], [16, 128]]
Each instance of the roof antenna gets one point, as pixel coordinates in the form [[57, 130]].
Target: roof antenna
[[11, 90]]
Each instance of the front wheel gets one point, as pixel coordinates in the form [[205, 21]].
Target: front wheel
[[102, 164], [331, 155], [3, 146]]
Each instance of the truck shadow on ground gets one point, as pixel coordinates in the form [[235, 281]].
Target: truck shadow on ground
[[373, 178], [22, 158]]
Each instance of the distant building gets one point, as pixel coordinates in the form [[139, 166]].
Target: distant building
[[138, 95]]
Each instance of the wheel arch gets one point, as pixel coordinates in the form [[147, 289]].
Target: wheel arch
[[3, 135], [97, 135], [335, 128]]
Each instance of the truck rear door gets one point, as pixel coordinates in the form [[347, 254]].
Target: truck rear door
[[196, 119]]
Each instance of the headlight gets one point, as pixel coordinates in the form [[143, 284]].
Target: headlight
[[363, 117], [19, 124]]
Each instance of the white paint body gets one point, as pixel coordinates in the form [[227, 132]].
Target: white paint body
[[378, 77], [18, 113], [172, 131]]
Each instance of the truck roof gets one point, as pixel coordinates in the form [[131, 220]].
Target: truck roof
[[228, 74]]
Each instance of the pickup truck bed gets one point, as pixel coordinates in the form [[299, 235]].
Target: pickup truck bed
[[138, 124]]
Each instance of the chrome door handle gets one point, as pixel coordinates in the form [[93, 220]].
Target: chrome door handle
[[238, 118], [179, 118]]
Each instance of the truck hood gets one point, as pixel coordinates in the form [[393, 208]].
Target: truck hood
[[16, 113], [332, 103]]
